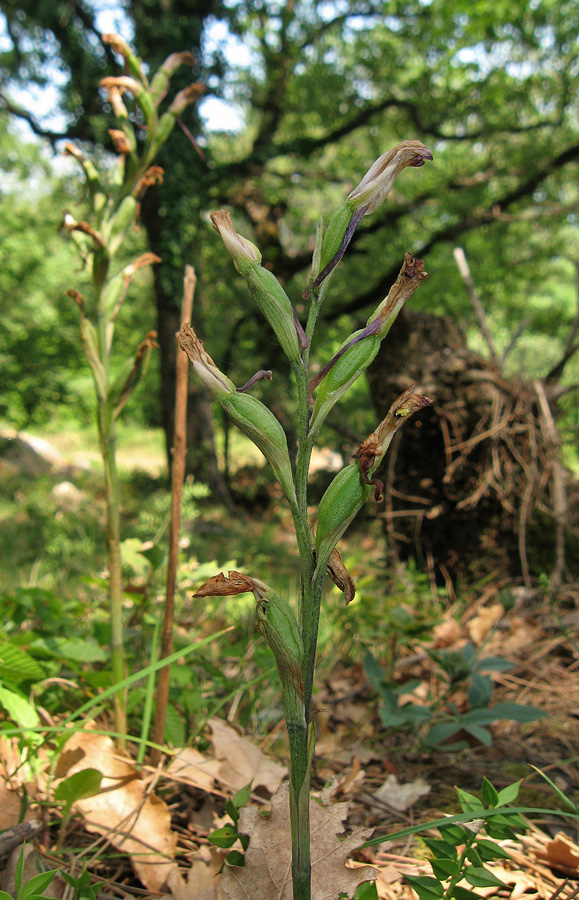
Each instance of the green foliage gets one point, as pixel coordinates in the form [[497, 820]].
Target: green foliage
[[85, 783], [227, 835], [81, 885], [439, 720], [31, 889], [462, 851]]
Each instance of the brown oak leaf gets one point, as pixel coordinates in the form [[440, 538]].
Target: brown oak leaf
[[267, 870]]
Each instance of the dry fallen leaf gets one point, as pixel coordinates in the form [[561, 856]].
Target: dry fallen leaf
[[446, 633], [561, 853], [481, 624], [521, 637], [135, 822], [241, 761], [267, 870], [401, 796], [192, 767], [10, 806], [203, 881]]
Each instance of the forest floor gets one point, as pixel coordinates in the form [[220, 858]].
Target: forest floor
[[146, 830]]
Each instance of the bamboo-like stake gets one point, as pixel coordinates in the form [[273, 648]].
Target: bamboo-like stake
[[177, 477]]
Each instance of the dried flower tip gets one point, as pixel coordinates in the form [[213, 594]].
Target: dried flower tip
[[376, 184], [122, 82], [207, 371], [237, 246], [371, 451], [70, 224], [185, 97], [117, 44], [77, 297], [175, 60], [119, 108], [220, 586], [339, 574], [146, 259], [152, 176], [120, 141], [409, 278], [71, 149]]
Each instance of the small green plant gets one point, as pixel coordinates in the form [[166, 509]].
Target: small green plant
[[31, 889], [462, 851], [439, 719], [81, 885], [291, 630], [227, 835]]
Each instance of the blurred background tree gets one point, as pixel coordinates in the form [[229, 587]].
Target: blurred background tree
[[314, 93]]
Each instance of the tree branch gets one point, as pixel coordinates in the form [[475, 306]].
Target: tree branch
[[451, 232], [23, 114]]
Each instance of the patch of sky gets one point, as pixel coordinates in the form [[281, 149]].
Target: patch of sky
[[224, 113], [42, 101]]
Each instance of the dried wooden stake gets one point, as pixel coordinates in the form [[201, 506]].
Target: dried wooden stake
[[177, 477]]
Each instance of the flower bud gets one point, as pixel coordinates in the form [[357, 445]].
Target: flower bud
[[121, 221], [365, 199], [269, 296], [350, 489], [160, 82], [205, 369], [277, 622], [359, 350], [378, 180], [271, 299], [90, 343], [261, 426], [343, 499], [186, 97], [249, 414], [120, 46]]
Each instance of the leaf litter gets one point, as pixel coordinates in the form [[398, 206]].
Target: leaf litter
[[171, 853], [267, 870]]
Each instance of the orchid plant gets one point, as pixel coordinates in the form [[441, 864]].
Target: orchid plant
[[114, 196], [291, 630]]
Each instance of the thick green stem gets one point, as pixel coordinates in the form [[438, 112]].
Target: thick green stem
[[114, 563], [300, 809], [297, 725], [310, 625]]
